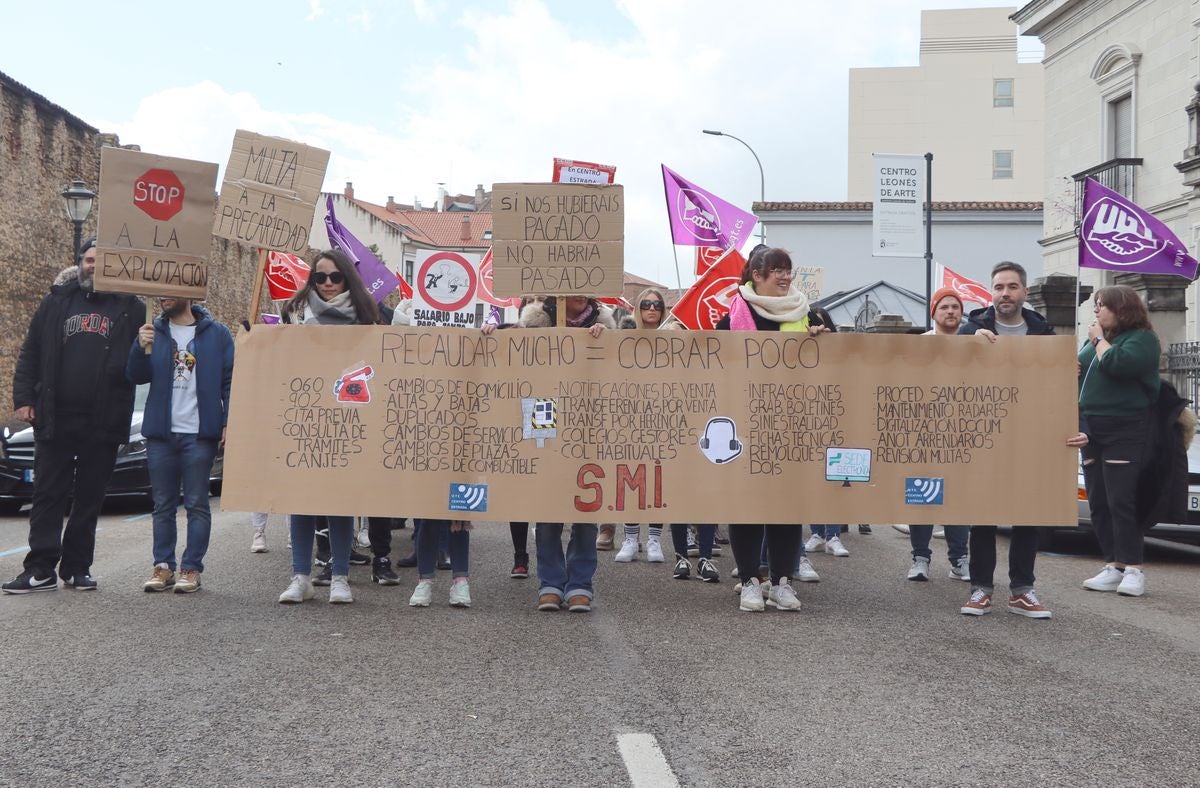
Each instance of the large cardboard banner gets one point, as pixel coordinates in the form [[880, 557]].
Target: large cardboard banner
[[643, 426], [270, 192], [558, 239], [152, 235]]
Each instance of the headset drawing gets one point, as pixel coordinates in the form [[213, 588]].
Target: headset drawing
[[720, 443]]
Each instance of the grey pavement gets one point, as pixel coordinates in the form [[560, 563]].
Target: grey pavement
[[876, 681]]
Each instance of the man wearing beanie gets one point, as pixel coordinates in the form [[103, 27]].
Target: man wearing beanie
[[946, 309], [70, 384]]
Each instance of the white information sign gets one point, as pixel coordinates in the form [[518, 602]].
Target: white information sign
[[896, 217]]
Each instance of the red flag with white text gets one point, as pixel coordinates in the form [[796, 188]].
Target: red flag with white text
[[707, 301], [286, 273]]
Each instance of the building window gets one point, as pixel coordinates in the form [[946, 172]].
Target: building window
[[1002, 164], [408, 270], [1120, 127], [1002, 92]]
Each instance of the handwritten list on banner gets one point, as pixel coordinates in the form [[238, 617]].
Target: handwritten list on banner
[[553, 425]]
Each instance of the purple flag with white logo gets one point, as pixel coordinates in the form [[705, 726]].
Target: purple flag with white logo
[[1119, 236], [701, 218], [375, 275]]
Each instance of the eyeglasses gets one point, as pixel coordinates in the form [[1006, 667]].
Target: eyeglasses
[[319, 277], [781, 273], [657, 306]]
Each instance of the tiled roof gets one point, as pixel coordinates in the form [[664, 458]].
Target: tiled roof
[[866, 206], [445, 229]]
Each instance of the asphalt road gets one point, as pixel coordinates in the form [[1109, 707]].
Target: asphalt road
[[876, 681]]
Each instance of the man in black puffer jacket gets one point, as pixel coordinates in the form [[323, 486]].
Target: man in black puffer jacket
[[70, 384]]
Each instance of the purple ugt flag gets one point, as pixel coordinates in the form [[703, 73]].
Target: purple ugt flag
[[701, 218], [1117, 235], [375, 275]]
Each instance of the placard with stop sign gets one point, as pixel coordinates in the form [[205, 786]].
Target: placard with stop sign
[[154, 230]]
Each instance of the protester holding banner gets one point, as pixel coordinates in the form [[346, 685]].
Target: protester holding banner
[[1118, 384], [334, 295]]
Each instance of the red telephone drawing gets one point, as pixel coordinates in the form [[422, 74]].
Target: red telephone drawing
[[352, 386]]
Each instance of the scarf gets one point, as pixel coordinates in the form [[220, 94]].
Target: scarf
[[790, 311], [584, 316], [337, 311]]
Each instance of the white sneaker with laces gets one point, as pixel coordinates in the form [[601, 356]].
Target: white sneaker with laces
[[628, 551], [422, 595], [1133, 582], [961, 570], [300, 590], [654, 553], [1109, 579], [339, 590], [814, 543], [834, 545], [259, 543], [460, 593], [919, 569], [783, 596], [805, 572], [751, 597], [901, 527], [939, 533]]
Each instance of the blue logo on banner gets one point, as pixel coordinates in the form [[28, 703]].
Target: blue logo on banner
[[924, 492], [468, 497]]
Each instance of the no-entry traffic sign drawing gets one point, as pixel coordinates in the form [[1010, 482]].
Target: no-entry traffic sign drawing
[[446, 289]]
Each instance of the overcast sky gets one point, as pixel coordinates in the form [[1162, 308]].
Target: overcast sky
[[410, 93]]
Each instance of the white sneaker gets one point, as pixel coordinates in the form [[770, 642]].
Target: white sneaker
[[259, 543], [1133, 582], [693, 549], [834, 545], [902, 528], [961, 570], [460, 593], [300, 590], [339, 590], [1109, 579], [783, 596], [752, 597], [422, 595], [628, 551], [919, 569], [939, 533], [654, 553], [814, 543], [363, 538], [805, 572]]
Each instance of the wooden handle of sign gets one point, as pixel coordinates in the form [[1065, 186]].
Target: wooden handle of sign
[[560, 308], [149, 319], [256, 290]]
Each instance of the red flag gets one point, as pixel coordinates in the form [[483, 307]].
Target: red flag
[[406, 292], [968, 289], [706, 257], [618, 301], [707, 301], [487, 291], [286, 274]]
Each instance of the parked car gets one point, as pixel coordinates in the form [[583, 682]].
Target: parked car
[[130, 479]]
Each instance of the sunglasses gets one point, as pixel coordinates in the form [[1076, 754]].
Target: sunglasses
[[319, 277], [655, 305]]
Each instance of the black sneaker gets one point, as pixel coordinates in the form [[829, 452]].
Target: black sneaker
[[443, 561], [708, 571], [683, 568], [520, 570], [26, 583], [407, 563], [864, 528], [80, 582], [321, 560], [359, 559], [326, 576], [381, 572]]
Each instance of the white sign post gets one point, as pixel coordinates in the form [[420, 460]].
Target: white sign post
[[446, 290], [896, 216]]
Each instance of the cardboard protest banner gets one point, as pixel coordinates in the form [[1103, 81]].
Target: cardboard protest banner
[[558, 239], [152, 235], [447, 289], [571, 171], [645, 426], [270, 192]]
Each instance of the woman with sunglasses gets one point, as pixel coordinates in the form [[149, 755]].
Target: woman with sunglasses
[[334, 295], [768, 300]]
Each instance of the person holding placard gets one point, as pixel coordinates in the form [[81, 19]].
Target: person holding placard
[[333, 295]]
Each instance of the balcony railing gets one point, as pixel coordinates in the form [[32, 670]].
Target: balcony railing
[[1120, 175]]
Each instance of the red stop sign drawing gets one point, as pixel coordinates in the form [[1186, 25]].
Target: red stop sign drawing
[[159, 193]]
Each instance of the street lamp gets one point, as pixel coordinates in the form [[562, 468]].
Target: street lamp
[[77, 199], [762, 181]]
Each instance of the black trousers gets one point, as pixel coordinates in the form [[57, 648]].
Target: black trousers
[[520, 538], [1022, 553], [1112, 462], [69, 467], [783, 545], [379, 532]]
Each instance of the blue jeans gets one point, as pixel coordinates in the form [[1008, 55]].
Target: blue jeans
[[181, 461], [827, 531], [304, 533], [430, 539], [568, 575], [956, 541]]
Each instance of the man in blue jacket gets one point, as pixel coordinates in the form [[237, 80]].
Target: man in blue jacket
[[187, 358]]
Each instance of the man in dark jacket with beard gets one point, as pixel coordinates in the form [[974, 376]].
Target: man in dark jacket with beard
[[70, 384]]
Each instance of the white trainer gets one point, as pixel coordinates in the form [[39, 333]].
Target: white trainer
[[961, 569], [783, 596], [751, 597], [339, 590], [422, 595], [300, 590], [834, 545], [259, 543], [901, 527], [628, 551], [654, 553], [919, 569], [1108, 580], [814, 543], [805, 572], [460, 593], [1133, 582]]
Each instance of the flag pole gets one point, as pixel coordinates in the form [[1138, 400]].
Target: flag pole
[[675, 249], [1078, 254], [928, 240]]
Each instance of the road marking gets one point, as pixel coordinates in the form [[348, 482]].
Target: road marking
[[137, 517], [644, 760], [14, 551]]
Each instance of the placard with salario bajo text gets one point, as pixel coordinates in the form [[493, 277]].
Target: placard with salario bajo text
[[642, 426]]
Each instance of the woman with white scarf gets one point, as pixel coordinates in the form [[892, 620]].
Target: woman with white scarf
[[334, 295], [768, 300]]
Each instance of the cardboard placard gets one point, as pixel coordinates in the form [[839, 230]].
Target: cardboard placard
[[572, 171], [558, 239], [152, 235], [447, 289], [270, 192], [810, 278], [643, 426]]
